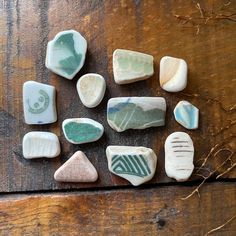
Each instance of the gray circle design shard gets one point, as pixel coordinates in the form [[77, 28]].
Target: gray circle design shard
[[41, 105]]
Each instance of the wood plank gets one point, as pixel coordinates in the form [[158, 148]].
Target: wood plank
[[154, 211], [148, 26]]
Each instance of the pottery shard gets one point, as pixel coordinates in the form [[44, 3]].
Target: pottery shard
[[40, 144], [135, 164], [82, 130], [130, 66], [173, 74], [179, 153], [187, 115], [66, 53], [91, 89], [39, 101], [136, 112], [77, 169]]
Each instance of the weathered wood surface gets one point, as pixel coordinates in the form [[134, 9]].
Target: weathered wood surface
[[155, 27], [151, 211]]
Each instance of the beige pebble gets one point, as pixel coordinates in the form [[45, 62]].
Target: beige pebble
[[77, 169]]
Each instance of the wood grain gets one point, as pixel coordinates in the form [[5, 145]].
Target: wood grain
[[151, 211], [153, 27]]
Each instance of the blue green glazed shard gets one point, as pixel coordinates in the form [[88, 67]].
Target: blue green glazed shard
[[66, 53], [187, 115], [82, 132], [128, 115], [131, 165], [66, 42]]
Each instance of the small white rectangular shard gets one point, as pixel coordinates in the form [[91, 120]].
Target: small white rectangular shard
[[39, 103], [38, 144]]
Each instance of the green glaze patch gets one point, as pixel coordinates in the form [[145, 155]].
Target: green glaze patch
[[126, 115], [123, 63], [133, 62], [66, 43], [130, 165], [82, 132], [41, 105]]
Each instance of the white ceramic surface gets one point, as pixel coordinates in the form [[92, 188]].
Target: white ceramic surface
[[179, 153], [91, 89], [39, 101], [173, 74], [39, 144]]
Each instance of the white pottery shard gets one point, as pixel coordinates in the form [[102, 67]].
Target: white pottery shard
[[173, 74], [66, 53], [136, 112], [135, 164], [91, 89], [38, 144], [77, 169], [130, 66], [179, 153], [39, 101]]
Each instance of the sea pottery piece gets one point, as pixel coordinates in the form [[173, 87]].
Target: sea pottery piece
[[136, 112], [187, 115], [38, 144], [82, 130], [179, 153], [77, 169], [130, 66], [39, 103], [91, 89], [173, 74], [135, 164], [66, 53]]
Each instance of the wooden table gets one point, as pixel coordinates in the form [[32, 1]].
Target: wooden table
[[201, 32]]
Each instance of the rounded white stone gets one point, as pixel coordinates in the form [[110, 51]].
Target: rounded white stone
[[38, 144], [173, 74], [91, 89], [179, 153]]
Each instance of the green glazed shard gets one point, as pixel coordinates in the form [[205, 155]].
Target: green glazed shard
[[66, 42], [130, 66], [136, 113], [135, 164], [131, 165], [66, 53], [82, 130]]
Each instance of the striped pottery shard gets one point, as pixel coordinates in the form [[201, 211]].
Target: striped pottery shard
[[135, 164], [187, 115], [136, 112], [130, 66], [82, 130], [179, 153], [66, 53], [173, 74], [39, 144]]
